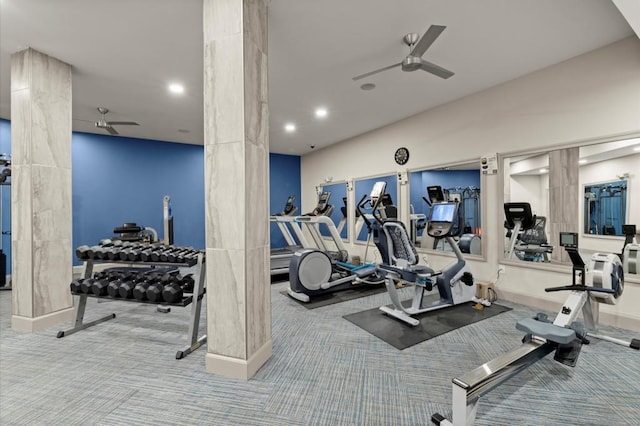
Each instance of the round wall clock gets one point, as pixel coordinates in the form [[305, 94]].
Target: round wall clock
[[402, 156]]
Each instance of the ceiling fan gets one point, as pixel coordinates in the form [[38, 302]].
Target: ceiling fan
[[414, 60], [102, 122]]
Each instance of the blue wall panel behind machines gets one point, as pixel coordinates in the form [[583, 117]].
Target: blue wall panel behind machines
[[284, 174], [118, 179]]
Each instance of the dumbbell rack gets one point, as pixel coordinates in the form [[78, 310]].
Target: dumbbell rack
[[195, 300]]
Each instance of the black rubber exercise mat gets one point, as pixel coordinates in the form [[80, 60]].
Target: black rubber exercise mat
[[339, 296], [402, 335]]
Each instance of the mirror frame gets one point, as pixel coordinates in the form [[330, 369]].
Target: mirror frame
[[336, 207], [483, 208], [551, 267], [355, 199]]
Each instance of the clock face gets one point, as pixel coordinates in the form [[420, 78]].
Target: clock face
[[402, 156]]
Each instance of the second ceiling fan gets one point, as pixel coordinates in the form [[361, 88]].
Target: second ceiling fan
[[414, 60]]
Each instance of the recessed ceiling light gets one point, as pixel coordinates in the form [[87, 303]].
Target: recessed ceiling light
[[368, 86], [176, 88], [637, 148], [543, 170], [289, 127], [183, 130], [583, 161], [321, 112]]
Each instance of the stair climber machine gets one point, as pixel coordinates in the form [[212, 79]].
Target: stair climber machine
[[455, 284], [599, 281], [314, 272]]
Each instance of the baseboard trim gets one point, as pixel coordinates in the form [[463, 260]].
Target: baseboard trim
[[236, 368], [30, 325], [617, 320]]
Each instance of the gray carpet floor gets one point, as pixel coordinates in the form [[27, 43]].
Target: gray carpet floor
[[324, 371]]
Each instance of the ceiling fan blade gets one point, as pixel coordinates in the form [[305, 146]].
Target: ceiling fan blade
[[122, 123], [358, 77], [111, 130], [427, 40], [435, 69]]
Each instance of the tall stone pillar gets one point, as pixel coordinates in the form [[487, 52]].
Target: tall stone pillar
[[41, 190], [236, 186], [564, 192]]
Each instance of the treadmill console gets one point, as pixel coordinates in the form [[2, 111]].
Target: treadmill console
[[323, 203], [442, 219]]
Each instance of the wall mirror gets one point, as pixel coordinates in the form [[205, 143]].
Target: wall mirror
[[527, 181], [586, 189], [363, 187], [339, 212], [460, 183]]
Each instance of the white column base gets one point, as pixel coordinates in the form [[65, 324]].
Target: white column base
[[236, 368], [30, 325]]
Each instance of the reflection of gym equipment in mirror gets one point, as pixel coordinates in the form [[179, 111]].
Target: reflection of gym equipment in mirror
[[526, 233], [605, 207], [599, 281], [455, 284], [466, 229], [313, 272], [630, 250], [5, 180]]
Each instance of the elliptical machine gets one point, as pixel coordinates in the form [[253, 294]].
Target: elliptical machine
[[399, 265], [314, 272]]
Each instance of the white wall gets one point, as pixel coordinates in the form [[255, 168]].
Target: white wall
[[590, 96]]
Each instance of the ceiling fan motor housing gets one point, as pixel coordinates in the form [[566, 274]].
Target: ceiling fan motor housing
[[411, 63]]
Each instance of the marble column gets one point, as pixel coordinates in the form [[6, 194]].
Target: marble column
[[236, 187], [41, 190], [564, 190]]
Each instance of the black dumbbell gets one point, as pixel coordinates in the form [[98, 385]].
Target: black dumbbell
[[174, 291], [124, 254], [140, 290], [177, 254], [75, 285], [148, 254], [154, 291], [114, 286], [126, 288], [85, 285], [113, 253], [95, 252], [99, 286], [190, 257]]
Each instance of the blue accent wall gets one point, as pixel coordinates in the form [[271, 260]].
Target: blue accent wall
[[284, 175], [118, 179], [338, 192]]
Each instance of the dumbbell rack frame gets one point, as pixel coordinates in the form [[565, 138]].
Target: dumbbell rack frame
[[196, 305]]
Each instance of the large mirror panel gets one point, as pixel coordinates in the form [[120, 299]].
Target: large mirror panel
[[527, 181], [339, 212], [363, 187], [460, 183], [587, 189]]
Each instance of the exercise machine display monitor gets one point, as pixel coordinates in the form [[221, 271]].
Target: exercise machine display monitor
[[442, 219]]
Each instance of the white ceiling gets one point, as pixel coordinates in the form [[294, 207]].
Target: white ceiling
[[125, 52]]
